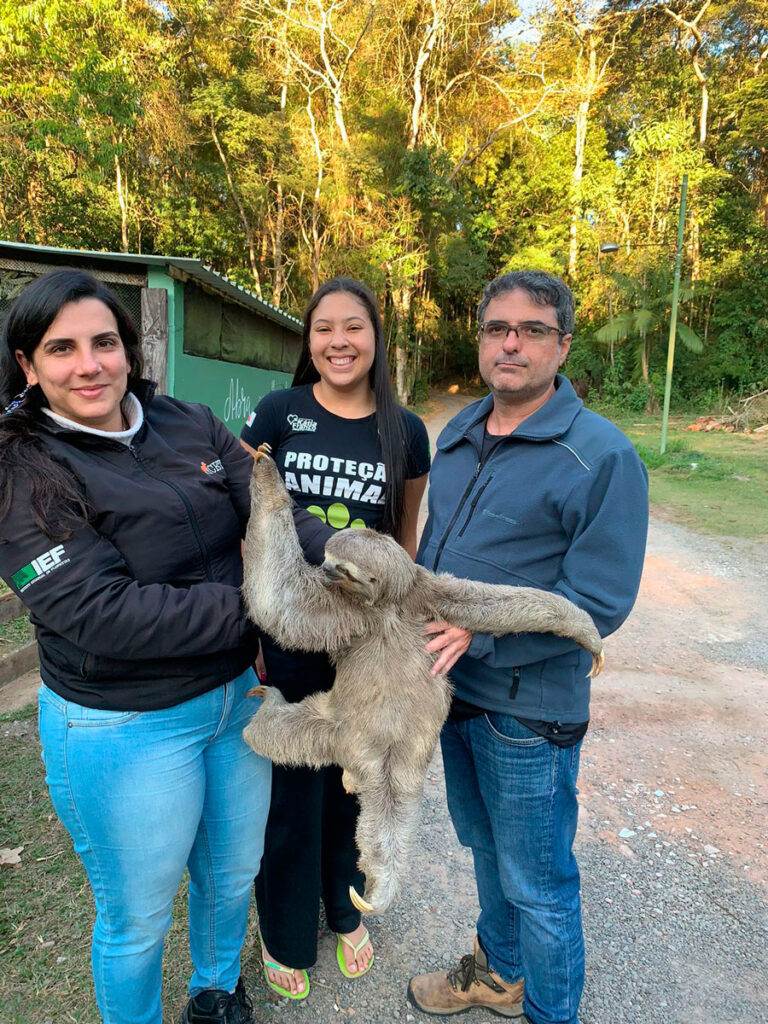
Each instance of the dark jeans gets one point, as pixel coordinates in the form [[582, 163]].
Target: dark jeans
[[512, 798], [309, 845]]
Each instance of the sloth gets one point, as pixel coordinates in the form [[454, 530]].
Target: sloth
[[367, 606]]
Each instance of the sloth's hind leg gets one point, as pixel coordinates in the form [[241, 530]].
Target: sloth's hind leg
[[292, 734]]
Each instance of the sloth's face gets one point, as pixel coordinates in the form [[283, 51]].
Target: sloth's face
[[368, 566]]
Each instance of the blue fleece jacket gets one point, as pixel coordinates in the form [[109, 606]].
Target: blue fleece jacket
[[560, 504]]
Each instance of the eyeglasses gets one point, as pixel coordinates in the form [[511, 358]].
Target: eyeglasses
[[534, 330]]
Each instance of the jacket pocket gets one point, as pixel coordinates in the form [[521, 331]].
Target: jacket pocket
[[564, 684]]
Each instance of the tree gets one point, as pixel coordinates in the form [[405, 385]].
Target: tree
[[647, 316]]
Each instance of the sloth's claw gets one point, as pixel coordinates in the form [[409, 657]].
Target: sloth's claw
[[257, 691], [598, 661], [358, 902], [262, 450]]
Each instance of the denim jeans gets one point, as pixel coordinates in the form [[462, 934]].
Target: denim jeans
[[143, 794], [512, 799]]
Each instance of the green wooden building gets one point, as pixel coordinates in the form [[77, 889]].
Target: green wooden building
[[204, 338]]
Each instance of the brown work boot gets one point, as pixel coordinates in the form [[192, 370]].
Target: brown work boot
[[469, 985]]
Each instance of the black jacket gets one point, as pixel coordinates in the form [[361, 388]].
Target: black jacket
[[140, 608]]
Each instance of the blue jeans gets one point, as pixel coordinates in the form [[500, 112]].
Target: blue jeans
[[512, 798], [144, 794]]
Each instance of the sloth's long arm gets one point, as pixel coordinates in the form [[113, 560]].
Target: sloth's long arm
[[284, 595], [493, 608]]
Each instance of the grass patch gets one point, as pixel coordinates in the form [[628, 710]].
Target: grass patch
[[46, 907], [15, 633], [716, 483]]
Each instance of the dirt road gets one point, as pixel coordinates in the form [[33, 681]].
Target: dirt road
[[674, 826]]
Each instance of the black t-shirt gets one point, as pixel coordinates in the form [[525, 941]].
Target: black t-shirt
[[331, 465]]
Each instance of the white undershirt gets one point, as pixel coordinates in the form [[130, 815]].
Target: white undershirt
[[131, 409]]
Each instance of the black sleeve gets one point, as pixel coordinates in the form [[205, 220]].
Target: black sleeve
[[265, 422], [238, 464], [313, 535], [417, 446], [82, 589]]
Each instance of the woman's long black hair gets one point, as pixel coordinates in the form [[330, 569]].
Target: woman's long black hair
[[56, 502], [389, 420]]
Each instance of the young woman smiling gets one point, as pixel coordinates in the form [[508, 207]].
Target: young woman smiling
[[349, 454], [127, 554]]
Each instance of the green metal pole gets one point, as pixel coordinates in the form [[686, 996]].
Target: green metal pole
[[673, 317]]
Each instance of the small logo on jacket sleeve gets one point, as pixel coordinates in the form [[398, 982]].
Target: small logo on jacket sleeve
[[39, 567], [212, 467]]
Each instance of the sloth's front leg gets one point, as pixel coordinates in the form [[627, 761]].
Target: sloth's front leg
[[292, 734], [267, 487]]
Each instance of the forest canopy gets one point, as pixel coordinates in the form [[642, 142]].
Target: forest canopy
[[424, 147]]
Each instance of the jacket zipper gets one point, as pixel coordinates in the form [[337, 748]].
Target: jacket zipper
[[190, 513], [472, 506], [515, 682], [461, 504], [456, 514]]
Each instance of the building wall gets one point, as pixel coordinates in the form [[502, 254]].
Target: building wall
[[230, 389]]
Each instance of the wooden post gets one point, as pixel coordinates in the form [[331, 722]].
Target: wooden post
[[154, 336]]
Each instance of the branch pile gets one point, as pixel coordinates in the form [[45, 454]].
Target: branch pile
[[749, 417]]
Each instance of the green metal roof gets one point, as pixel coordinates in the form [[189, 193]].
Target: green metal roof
[[183, 266]]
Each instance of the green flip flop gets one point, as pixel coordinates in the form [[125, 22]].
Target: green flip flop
[[284, 992], [355, 949]]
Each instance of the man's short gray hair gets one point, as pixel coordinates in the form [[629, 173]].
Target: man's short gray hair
[[545, 289]]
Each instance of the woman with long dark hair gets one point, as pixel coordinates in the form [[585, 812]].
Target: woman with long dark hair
[[353, 457], [121, 521]]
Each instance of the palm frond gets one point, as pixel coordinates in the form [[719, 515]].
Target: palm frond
[[618, 329], [690, 338], [645, 321]]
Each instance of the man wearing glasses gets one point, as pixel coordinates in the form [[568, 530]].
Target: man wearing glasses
[[530, 488]]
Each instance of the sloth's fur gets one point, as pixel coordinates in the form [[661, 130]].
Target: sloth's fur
[[367, 607]]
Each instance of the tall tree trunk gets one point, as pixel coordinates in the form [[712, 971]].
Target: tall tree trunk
[[582, 119], [278, 256], [425, 51], [34, 193], [315, 249], [402, 298], [122, 198], [695, 248], [693, 30], [247, 229], [590, 80], [278, 282], [401, 372]]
